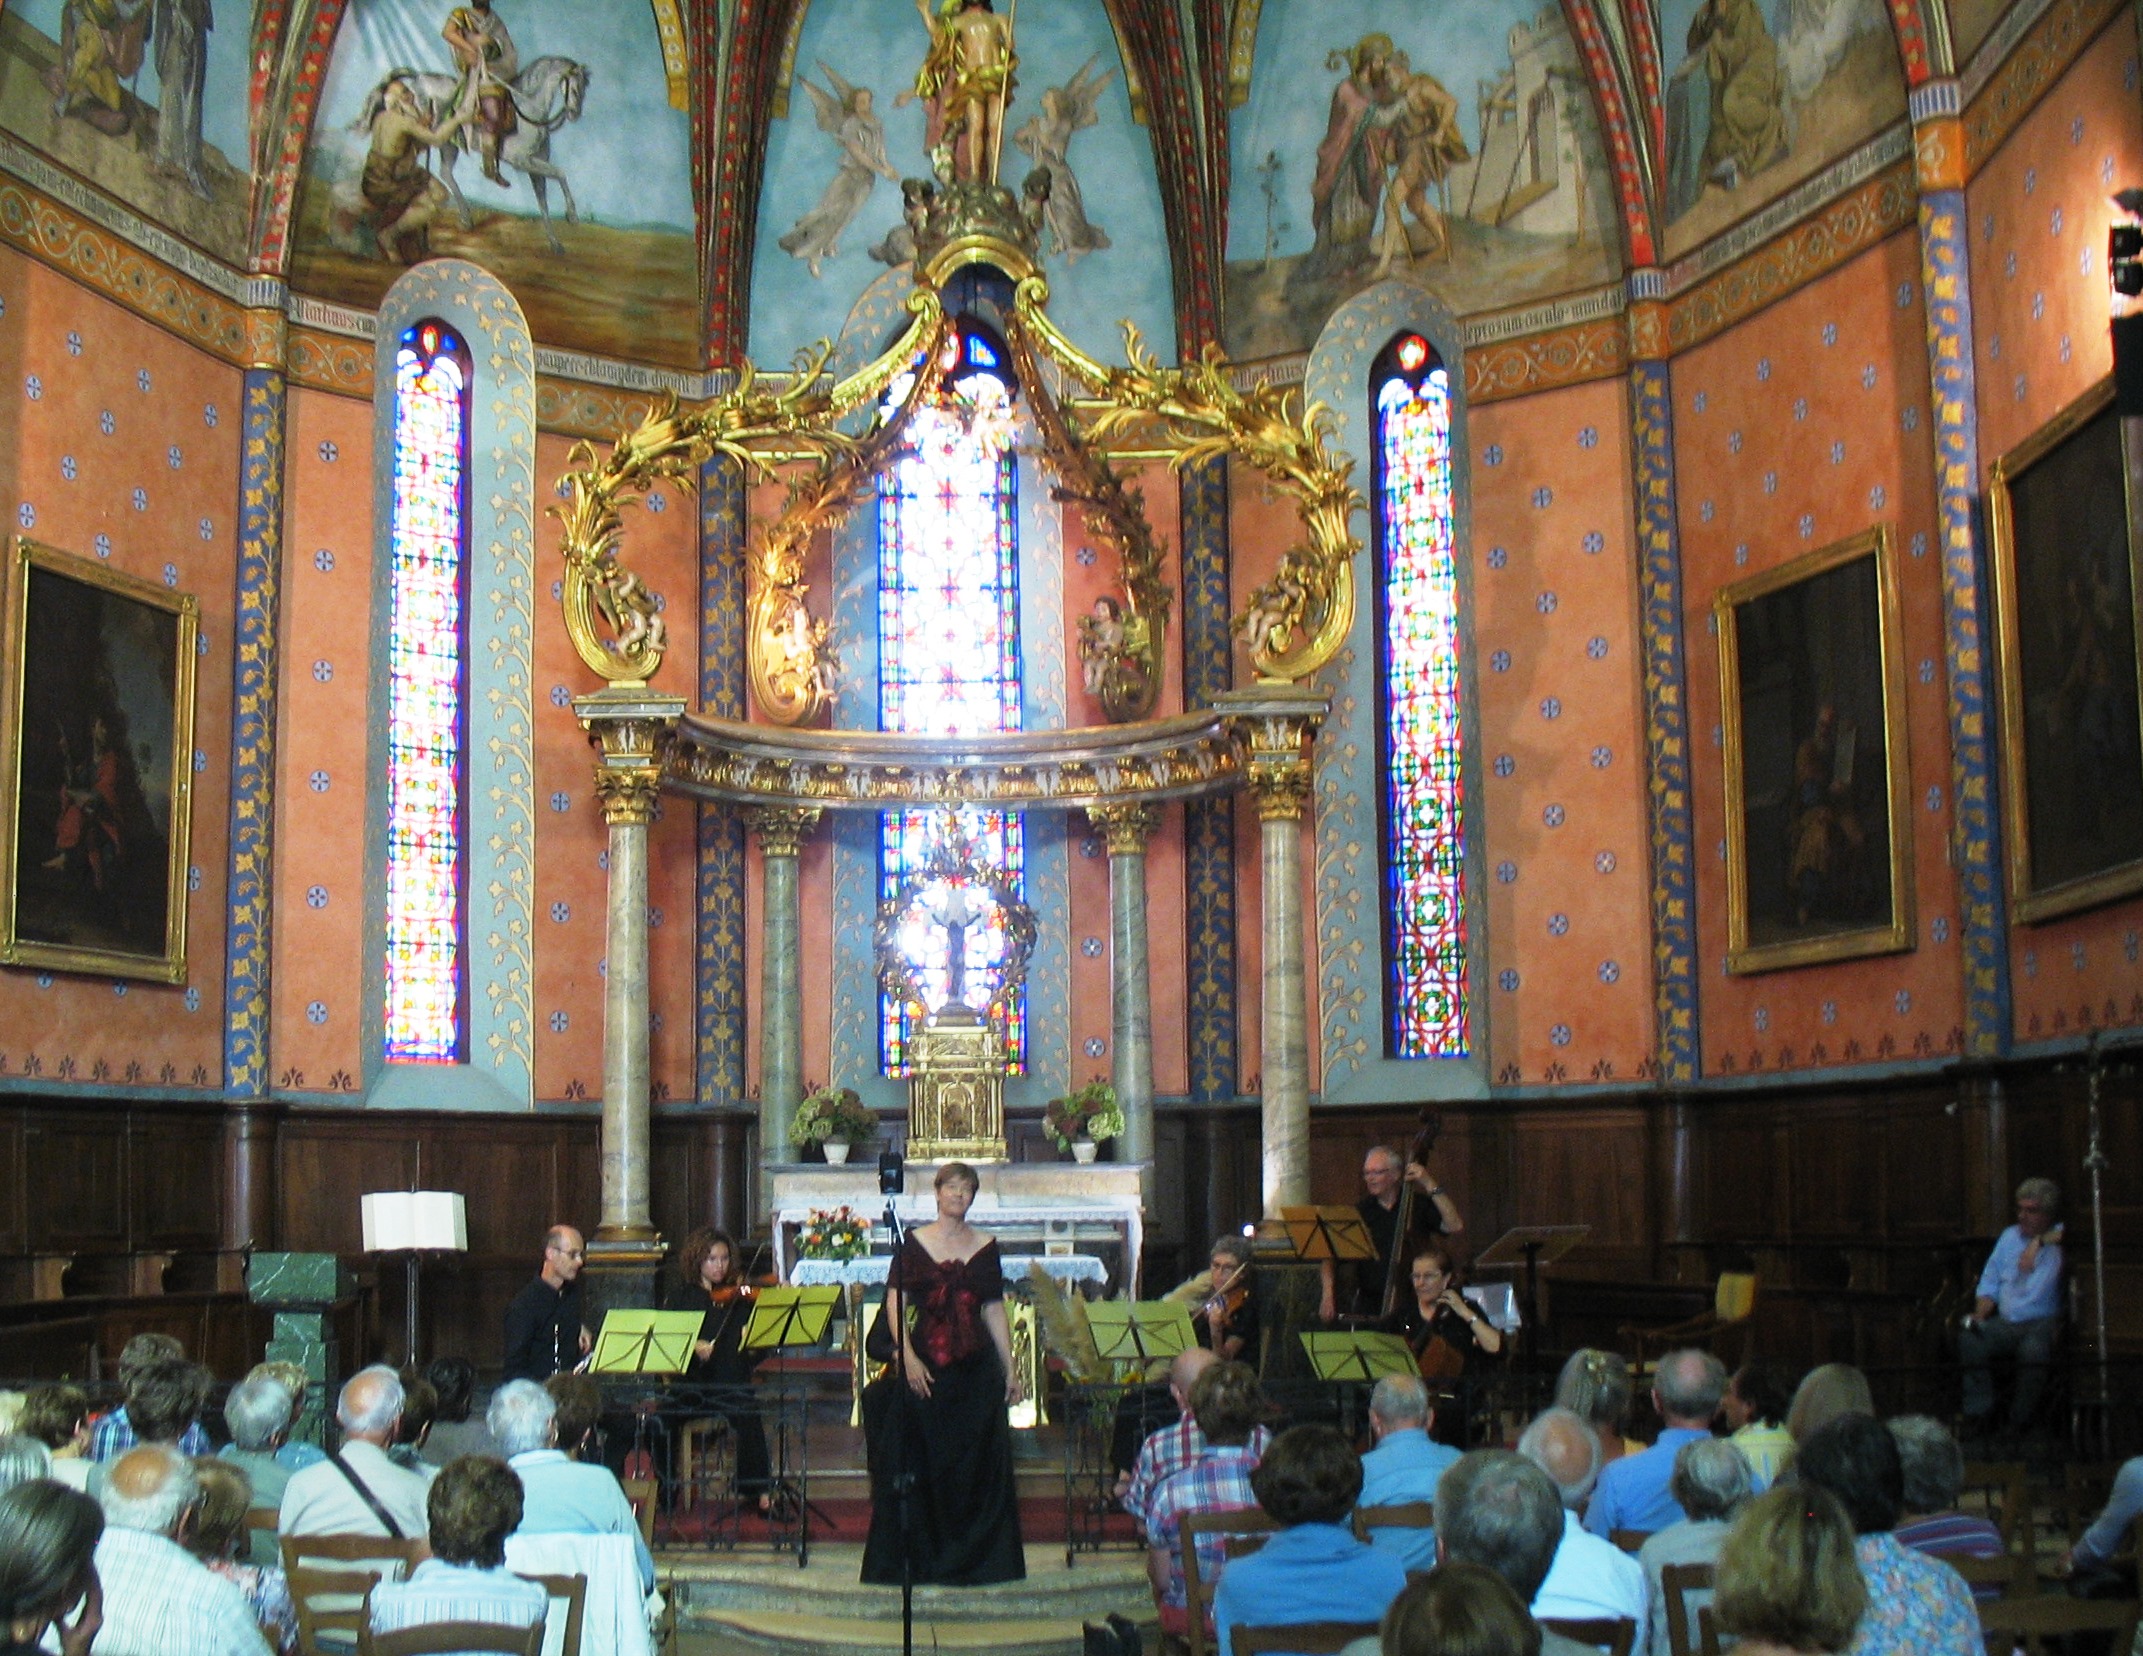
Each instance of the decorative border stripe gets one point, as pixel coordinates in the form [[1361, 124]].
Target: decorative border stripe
[[1542, 362], [719, 1033], [1674, 983], [2029, 72], [1208, 825]]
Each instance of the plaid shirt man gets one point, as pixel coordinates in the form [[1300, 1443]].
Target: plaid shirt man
[[1168, 1452], [113, 1436], [1217, 1481]]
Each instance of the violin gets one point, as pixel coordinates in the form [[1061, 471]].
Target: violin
[[1226, 1301]]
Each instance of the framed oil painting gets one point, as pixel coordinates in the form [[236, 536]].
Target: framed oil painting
[[2063, 517], [1812, 684], [96, 732]]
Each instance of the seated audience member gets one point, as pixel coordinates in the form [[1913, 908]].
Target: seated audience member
[[1589, 1578], [2090, 1563], [559, 1496], [258, 1415], [58, 1417], [1459, 1610], [1632, 1493], [474, 1504], [1711, 1480], [419, 1405], [1405, 1464], [1754, 1409], [1227, 1404], [22, 1458], [2017, 1311], [1788, 1582], [1933, 1468], [48, 1572], [295, 1453], [114, 1435], [453, 1433], [1174, 1447], [1500, 1511], [359, 1491], [579, 1401], [1595, 1386], [164, 1403], [1917, 1606], [1314, 1569], [1824, 1395], [159, 1600], [218, 1535]]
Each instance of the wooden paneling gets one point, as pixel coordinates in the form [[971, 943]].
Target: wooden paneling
[[77, 1195], [325, 1162], [175, 1180]]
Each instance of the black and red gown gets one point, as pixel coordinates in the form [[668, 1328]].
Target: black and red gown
[[963, 1511]]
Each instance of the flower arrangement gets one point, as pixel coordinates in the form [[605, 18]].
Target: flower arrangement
[[837, 1233], [834, 1113], [1091, 1113]]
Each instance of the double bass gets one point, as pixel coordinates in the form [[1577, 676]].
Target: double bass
[[1402, 1236]]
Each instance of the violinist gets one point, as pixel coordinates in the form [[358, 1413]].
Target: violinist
[[1394, 1186], [711, 1281], [1223, 1301], [1446, 1331]]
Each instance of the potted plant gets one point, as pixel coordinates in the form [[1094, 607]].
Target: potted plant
[[833, 1118], [1084, 1120]]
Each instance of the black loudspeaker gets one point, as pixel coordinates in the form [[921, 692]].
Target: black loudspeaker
[[892, 1173]]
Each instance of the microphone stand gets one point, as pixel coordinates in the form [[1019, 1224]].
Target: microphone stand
[[904, 1475]]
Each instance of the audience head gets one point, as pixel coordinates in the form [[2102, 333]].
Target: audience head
[[1756, 1396], [1595, 1385], [1400, 1403], [55, 1415], [1310, 1475], [579, 1405], [1788, 1575], [473, 1506], [150, 1488], [454, 1379], [163, 1399], [1562, 1445], [1227, 1404], [1459, 1610], [22, 1458], [371, 1405], [144, 1349], [1931, 1463], [563, 1253], [219, 1524], [1497, 1509], [1687, 1386], [48, 1543], [1184, 1371], [1710, 1478], [1823, 1395], [293, 1379], [699, 1265], [521, 1417], [420, 1406], [258, 1415], [2038, 1206], [1855, 1458]]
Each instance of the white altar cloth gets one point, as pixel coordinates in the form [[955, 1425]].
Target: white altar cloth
[[872, 1269]]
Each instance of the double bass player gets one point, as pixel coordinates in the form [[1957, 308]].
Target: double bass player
[[1397, 1190]]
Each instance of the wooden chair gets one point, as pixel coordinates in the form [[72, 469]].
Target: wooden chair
[[1233, 1547], [453, 1638], [383, 1550], [1406, 1515], [333, 1603], [2050, 1615], [573, 1589], [2012, 1574], [1613, 1634], [1630, 1541], [1196, 1593], [1676, 1583], [2005, 1491], [1733, 1307], [1312, 1638], [642, 1494]]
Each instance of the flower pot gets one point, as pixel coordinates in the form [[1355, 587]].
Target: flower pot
[[1084, 1150], [836, 1152]]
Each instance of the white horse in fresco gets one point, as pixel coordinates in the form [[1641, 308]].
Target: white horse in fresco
[[547, 94]]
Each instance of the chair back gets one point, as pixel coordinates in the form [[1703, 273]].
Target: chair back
[[641, 1494], [2035, 1619], [2003, 1491], [1629, 1540], [1613, 1634], [2006, 1573], [1311, 1638], [1405, 1515], [569, 1605], [1677, 1582], [393, 1558], [1198, 1593], [454, 1639], [1233, 1547], [332, 1605], [616, 1618]]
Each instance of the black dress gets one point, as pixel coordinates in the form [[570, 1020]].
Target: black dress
[[729, 1367], [963, 1511]]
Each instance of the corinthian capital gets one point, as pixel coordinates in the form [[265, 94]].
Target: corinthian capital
[[1126, 828], [782, 829]]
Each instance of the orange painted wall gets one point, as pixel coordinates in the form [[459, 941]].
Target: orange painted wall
[[1803, 425], [2038, 214], [122, 443]]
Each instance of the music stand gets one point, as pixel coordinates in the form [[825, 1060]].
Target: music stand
[[1354, 1355], [1321, 1233], [1137, 1332], [783, 1318], [1531, 1246], [645, 1342]]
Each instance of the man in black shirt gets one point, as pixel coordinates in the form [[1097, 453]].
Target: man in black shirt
[[1434, 1214], [543, 1326]]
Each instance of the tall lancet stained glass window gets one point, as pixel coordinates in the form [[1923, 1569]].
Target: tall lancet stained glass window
[[426, 693], [1424, 792], [948, 649]]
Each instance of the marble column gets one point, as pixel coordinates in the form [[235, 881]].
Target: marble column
[[781, 831], [1275, 724], [629, 728], [1127, 828]]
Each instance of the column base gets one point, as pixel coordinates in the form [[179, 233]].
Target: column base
[[621, 1274]]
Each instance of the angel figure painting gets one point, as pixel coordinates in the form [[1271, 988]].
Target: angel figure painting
[[1047, 138], [847, 113]]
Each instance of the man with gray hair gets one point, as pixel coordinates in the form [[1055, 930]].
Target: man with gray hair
[[258, 1414], [1500, 1511], [2017, 1311], [1632, 1492], [1405, 1466], [159, 1600], [1712, 1478], [560, 1496], [359, 1490], [1590, 1578]]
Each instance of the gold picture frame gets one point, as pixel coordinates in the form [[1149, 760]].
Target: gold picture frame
[[96, 737], [1818, 830], [2062, 512]]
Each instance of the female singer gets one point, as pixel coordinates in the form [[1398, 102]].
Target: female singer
[[941, 1420], [711, 1282], [1444, 1327]]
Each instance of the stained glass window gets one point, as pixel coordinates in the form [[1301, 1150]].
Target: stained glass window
[[948, 646], [426, 879], [1424, 794]]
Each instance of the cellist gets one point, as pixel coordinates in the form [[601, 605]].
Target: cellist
[[1445, 1330], [1398, 1189]]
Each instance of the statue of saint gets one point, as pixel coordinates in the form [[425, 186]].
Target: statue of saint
[[965, 82]]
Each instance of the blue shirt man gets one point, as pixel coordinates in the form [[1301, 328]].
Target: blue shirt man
[[1632, 1493], [1306, 1573], [1404, 1467], [2017, 1309]]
